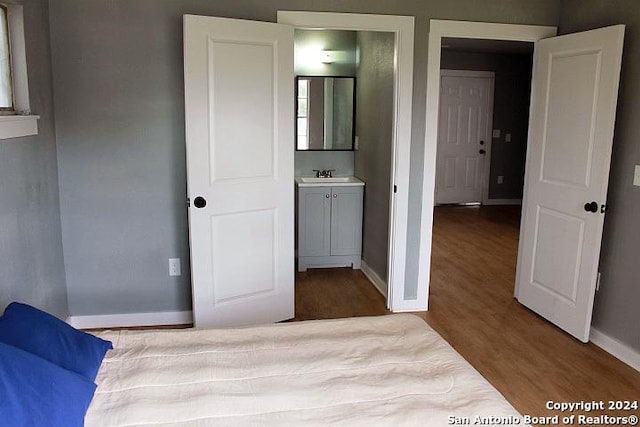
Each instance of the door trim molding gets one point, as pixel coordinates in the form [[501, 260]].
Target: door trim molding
[[403, 28], [438, 30]]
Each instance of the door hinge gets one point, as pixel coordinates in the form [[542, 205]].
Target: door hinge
[[395, 188], [598, 282]]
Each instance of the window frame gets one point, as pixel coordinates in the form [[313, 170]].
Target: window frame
[[11, 109], [19, 121]]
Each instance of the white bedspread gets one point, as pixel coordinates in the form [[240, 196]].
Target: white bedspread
[[388, 370]]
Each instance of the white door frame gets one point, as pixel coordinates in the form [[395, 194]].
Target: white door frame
[[403, 28], [438, 30], [486, 169]]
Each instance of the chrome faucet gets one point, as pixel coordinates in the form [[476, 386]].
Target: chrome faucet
[[324, 173]]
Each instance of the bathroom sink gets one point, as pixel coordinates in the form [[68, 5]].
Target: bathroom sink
[[308, 181]]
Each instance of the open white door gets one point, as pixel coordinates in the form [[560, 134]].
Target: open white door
[[239, 136], [573, 105]]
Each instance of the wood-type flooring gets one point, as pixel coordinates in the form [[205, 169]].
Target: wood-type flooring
[[529, 360]]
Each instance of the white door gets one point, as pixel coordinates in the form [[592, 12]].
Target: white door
[[573, 105], [239, 135], [464, 131]]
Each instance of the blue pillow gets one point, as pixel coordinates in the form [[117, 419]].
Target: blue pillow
[[35, 392], [50, 338]]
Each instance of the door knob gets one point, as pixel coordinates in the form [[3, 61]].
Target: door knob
[[591, 207], [199, 202], [482, 151], [481, 142]]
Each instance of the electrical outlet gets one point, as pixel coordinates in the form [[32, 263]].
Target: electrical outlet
[[500, 179], [174, 267], [636, 176], [507, 137]]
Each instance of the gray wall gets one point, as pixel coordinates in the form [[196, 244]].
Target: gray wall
[[616, 310], [120, 132], [121, 157], [307, 161], [512, 90], [374, 127], [31, 263]]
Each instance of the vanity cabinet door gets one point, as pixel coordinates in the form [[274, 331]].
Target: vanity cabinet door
[[346, 220], [314, 216]]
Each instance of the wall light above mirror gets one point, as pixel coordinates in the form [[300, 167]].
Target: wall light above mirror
[[325, 112], [314, 56]]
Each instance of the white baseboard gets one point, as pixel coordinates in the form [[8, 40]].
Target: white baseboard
[[377, 281], [131, 319], [620, 350], [490, 202]]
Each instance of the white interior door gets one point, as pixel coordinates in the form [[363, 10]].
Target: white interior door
[[464, 131], [239, 137], [573, 105]]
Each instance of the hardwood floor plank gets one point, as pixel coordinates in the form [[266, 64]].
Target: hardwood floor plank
[[529, 360], [336, 292]]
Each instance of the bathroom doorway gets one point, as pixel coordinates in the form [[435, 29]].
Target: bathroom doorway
[[382, 58]]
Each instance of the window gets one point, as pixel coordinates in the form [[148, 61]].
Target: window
[[6, 85], [15, 114], [302, 115]]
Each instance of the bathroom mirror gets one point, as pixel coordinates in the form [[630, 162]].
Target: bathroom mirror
[[325, 112]]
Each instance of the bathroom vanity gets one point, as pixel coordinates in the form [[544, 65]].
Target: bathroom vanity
[[329, 222]]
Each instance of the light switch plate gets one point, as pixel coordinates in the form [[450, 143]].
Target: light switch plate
[[500, 179], [636, 176], [496, 133], [507, 137]]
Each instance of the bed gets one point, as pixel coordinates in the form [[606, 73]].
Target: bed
[[386, 370]]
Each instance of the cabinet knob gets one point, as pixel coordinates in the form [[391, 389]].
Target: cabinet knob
[[335, 195], [327, 196]]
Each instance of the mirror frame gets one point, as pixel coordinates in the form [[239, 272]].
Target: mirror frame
[[295, 118]]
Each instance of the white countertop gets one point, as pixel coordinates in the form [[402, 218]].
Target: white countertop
[[336, 181]]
